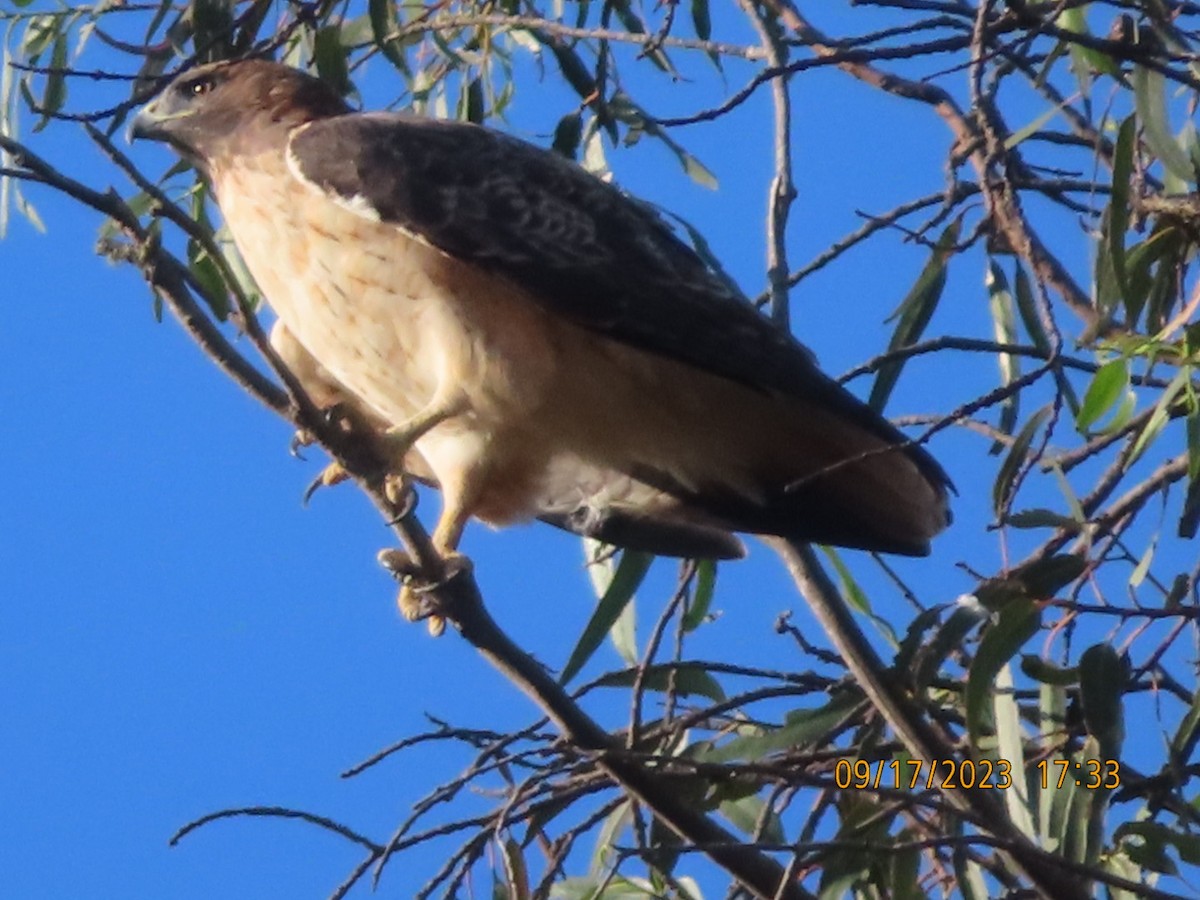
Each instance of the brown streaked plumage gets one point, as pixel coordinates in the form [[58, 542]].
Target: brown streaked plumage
[[538, 343]]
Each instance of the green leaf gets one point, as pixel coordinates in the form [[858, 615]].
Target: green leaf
[[803, 726], [610, 829], [212, 28], [1044, 578], [330, 58], [1161, 414], [516, 871], [572, 66], [471, 106], [1150, 92], [1150, 853], [1162, 244], [1053, 802], [1046, 672], [1004, 328], [215, 294], [1102, 675], [383, 18], [1041, 518], [1118, 207], [1002, 489], [701, 20], [39, 34], [1188, 845], [1086, 58], [914, 312], [1027, 309], [56, 82], [928, 660], [969, 875], [664, 851], [1016, 624], [1064, 486], [625, 581], [914, 638], [1010, 747], [702, 595], [568, 134], [695, 169], [1189, 517], [746, 813], [1143, 567], [1108, 385], [623, 107], [1033, 127], [849, 587], [689, 680], [1032, 322], [1106, 288]]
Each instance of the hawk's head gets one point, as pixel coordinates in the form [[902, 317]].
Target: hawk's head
[[244, 106]]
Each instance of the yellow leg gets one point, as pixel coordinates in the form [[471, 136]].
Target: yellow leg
[[406, 434]]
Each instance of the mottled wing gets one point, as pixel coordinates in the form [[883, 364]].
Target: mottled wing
[[576, 245]]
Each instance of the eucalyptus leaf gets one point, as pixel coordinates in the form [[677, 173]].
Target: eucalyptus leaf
[[1016, 624], [1150, 92], [625, 581], [913, 314]]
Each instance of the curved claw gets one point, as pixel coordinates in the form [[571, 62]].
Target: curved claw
[[418, 598], [329, 476], [397, 562], [301, 438], [333, 414], [416, 604], [398, 488]]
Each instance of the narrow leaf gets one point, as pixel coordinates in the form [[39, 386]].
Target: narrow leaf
[[1015, 625], [1150, 92], [1108, 385], [330, 59], [1010, 748], [1006, 478], [625, 581], [1101, 689], [1004, 328], [1161, 414], [568, 134], [803, 726], [913, 314], [1118, 208], [687, 680], [702, 595]]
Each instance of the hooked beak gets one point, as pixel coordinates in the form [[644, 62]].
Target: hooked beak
[[146, 125], [154, 121]]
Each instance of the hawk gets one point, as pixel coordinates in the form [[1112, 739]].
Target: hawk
[[529, 338]]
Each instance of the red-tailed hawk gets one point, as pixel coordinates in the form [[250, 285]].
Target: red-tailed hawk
[[536, 343]]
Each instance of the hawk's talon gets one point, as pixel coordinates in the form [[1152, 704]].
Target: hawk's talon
[[301, 438], [332, 474], [415, 604], [418, 597], [399, 490], [397, 562], [335, 414]]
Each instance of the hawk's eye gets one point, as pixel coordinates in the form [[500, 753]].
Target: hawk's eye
[[199, 87]]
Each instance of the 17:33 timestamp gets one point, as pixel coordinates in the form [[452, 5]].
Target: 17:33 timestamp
[[1086, 773]]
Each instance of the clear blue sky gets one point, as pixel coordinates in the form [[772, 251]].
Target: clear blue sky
[[178, 635]]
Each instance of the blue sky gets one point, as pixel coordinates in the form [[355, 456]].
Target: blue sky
[[178, 635]]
